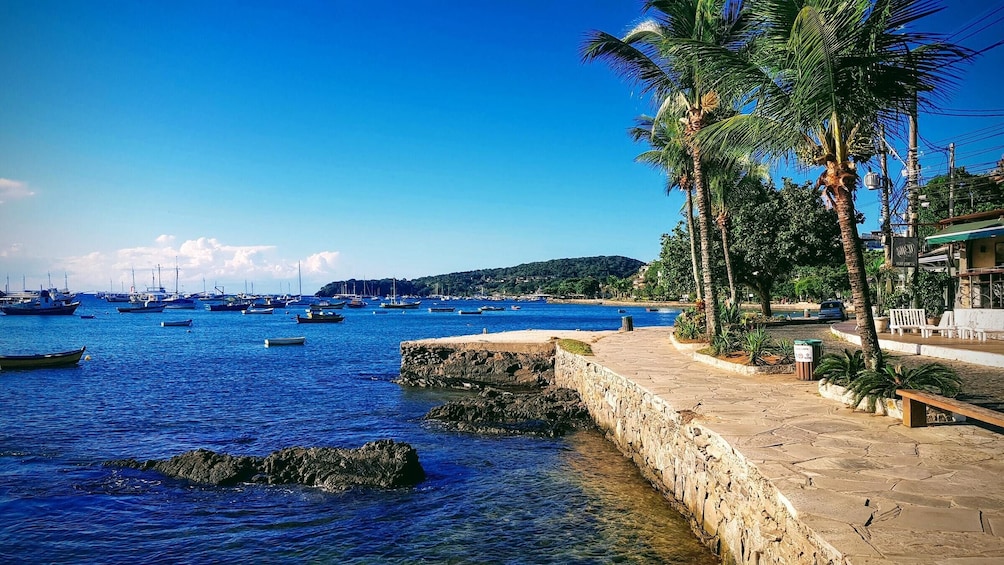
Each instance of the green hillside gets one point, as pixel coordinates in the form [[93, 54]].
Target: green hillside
[[581, 276]]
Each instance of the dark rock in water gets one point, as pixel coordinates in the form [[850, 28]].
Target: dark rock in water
[[552, 412], [382, 463]]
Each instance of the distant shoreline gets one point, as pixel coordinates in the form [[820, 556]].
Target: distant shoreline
[[775, 306]]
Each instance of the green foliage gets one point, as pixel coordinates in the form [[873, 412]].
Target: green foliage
[[730, 315], [575, 346], [840, 369], [690, 325], [930, 291], [566, 277], [756, 344], [728, 340], [971, 193], [882, 383], [785, 349], [776, 231]]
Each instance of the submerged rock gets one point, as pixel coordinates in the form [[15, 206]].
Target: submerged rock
[[382, 463], [552, 412]]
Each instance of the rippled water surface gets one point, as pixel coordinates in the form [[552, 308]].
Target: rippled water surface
[[153, 392]]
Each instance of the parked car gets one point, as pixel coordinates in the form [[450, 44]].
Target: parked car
[[832, 310]]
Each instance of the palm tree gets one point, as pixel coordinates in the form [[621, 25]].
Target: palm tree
[[728, 179], [669, 155], [820, 76], [652, 55]]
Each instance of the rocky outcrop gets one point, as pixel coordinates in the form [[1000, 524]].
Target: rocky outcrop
[[465, 365], [552, 412], [382, 463]]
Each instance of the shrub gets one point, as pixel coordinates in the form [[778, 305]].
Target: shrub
[[756, 344], [785, 349], [727, 341], [690, 325], [730, 315], [882, 383], [840, 369]]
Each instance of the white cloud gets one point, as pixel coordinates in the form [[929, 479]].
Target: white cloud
[[12, 189], [12, 250], [323, 263], [202, 259]]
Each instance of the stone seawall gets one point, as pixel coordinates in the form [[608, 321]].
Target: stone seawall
[[731, 505], [440, 363]]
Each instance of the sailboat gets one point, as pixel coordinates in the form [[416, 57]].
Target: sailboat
[[299, 300], [398, 304], [176, 301]]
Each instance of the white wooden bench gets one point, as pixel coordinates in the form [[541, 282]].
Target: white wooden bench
[[915, 403], [946, 326], [907, 319]]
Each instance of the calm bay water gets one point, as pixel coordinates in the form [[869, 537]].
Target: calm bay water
[[153, 392]]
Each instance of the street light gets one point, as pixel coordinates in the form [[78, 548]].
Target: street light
[[873, 181]]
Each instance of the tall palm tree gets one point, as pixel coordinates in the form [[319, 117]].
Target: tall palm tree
[[669, 155], [821, 75], [652, 55], [727, 180]]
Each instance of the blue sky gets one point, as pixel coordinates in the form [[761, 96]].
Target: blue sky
[[356, 139]]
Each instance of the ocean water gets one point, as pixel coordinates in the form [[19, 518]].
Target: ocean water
[[154, 392]]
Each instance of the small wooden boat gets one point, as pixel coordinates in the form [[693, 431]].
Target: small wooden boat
[[176, 323], [146, 308], [441, 309], [256, 310], [319, 318], [271, 342], [470, 312], [491, 308], [86, 316], [41, 361]]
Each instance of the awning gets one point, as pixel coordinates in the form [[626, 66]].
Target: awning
[[968, 231]]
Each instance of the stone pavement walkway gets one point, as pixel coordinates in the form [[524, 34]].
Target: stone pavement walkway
[[878, 492]]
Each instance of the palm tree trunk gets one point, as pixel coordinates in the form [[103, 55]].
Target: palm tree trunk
[[723, 227], [858, 278], [704, 225], [693, 244]]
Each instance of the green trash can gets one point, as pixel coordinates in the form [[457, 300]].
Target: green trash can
[[807, 355]]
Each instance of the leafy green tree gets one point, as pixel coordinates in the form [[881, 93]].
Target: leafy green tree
[[819, 78], [778, 230], [969, 194]]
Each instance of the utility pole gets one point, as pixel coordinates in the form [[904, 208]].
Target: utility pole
[[886, 220], [913, 189], [950, 298], [951, 180]]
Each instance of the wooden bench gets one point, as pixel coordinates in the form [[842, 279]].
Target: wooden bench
[[915, 403], [907, 319]]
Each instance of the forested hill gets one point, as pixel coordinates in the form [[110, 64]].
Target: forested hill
[[583, 275]]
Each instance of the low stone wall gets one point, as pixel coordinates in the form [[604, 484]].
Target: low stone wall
[[432, 363], [732, 506]]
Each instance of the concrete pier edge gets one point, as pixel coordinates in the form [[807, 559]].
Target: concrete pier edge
[[768, 471]]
